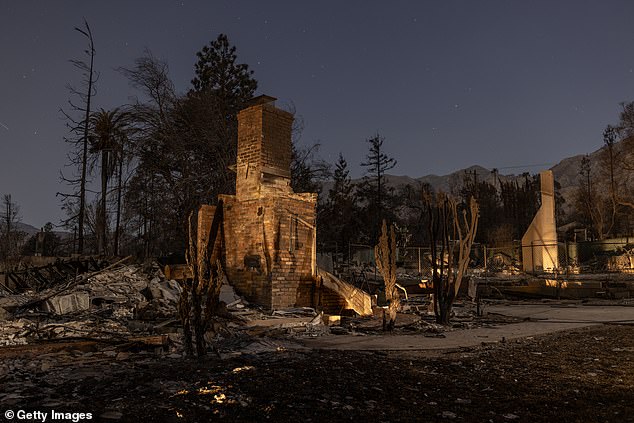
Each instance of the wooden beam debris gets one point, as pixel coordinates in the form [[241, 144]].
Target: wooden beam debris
[[39, 278], [72, 283]]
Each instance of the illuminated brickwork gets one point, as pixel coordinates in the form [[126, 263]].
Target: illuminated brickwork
[[269, 231]]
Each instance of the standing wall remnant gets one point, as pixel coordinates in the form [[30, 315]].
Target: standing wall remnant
[[539, 243]]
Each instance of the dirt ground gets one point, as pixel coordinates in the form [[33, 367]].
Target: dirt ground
[[583, 375]]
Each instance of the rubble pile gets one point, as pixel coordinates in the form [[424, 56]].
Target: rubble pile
[[247, 329], [128, 301], [122, 301], [622, 262]]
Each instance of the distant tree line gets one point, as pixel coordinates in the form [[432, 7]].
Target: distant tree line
[[351, 213], [604, 197], [11, 237], [15, 242]]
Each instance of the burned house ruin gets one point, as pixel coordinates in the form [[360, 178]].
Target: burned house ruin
[[269, 231], [269, 234]]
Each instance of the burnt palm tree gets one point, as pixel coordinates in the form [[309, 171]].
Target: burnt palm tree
[[108, 135]]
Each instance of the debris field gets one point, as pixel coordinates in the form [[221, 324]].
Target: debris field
[[109, 343], [582, 376]]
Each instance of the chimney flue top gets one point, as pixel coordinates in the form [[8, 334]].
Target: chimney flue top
[[262, 99]]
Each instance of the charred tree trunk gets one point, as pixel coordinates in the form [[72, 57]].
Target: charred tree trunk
[[84, 160], [200, 298], [385, 255], [184, 312], [451, 236]]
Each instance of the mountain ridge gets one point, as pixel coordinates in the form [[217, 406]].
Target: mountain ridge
[[565, 172]]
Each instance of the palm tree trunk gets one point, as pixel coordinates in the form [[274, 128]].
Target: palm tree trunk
[[116, 229], [146, 211], [101, 231]]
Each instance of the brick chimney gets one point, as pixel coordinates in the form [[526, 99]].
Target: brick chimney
[[269, 231], [264, 150]]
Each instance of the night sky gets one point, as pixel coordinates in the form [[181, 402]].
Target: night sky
[[449, 84]]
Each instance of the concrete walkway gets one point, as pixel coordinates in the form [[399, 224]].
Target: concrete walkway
[[545, 319]]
